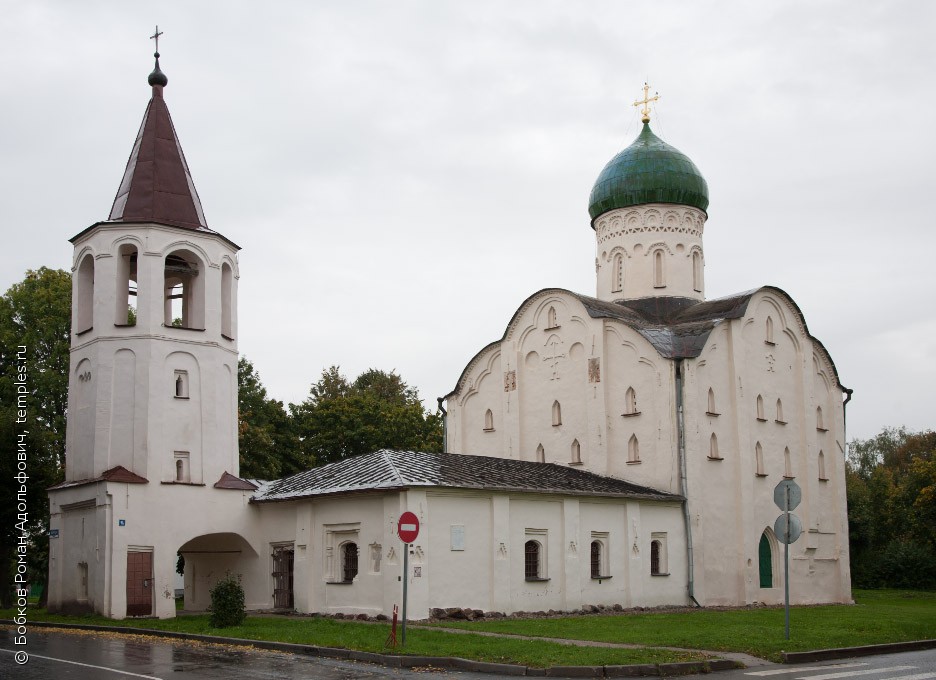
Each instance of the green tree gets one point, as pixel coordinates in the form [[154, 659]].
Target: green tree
[[35, 318], [891, 488], [269, 446], [378, 410]]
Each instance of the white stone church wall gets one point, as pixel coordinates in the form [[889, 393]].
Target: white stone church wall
[[636, 234]]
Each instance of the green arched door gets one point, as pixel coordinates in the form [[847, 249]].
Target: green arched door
[[766, 562]]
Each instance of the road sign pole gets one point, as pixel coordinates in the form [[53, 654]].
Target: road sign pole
[[405, 579], [786, 566]]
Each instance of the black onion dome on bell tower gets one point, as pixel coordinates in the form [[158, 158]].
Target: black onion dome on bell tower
[[157, 77]]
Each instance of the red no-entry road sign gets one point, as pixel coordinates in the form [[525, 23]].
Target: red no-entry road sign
[[408, 527]]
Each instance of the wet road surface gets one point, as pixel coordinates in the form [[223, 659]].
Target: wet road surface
[[83, 655]]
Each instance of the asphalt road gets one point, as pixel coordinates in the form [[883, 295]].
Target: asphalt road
[[73, 655], [903, 666]]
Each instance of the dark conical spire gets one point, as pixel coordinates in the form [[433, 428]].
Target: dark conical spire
[[157, 77], [157, 185]]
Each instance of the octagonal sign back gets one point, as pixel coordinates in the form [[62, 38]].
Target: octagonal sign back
[[780, 495]]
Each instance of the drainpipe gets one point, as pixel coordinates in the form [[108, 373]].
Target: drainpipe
[[444, 424], [848, 396], [684, 485]]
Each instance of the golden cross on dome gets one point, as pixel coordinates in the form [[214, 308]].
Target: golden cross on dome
[[645, 111], [155, 37]]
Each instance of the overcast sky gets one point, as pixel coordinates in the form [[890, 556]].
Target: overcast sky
[[402, 175]]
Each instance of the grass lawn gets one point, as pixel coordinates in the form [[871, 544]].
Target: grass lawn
[[370, 638], [878, 616]]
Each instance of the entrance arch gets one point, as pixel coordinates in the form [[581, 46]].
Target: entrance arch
[[208, 559]]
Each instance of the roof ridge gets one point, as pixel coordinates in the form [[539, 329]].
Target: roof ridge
[[386, 454]]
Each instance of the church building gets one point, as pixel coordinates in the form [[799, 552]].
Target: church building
[[620, 449]]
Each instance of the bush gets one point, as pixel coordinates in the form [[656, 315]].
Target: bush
[[227, 602]]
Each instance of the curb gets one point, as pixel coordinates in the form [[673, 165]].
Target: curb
[[849, 652]]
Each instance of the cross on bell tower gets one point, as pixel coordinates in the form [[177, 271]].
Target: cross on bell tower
[[155, 37]]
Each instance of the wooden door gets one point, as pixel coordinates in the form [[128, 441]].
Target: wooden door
[[139, 583], [283, 576]]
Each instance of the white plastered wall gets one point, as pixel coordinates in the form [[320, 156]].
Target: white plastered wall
[[637, 233]]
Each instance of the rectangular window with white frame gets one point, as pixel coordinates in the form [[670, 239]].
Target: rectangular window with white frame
[[342, 553], [599, 548], [535, 552]]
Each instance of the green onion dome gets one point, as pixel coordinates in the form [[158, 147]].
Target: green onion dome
[[648, 171]]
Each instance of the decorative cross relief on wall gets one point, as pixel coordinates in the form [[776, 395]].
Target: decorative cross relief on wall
[[552, 355], [770, 363], [636, 546], [594, 370], [510, 381]]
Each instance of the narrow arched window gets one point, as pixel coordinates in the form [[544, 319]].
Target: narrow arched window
[[759, 460], [551, 320], [540, 454], [630, 402], [576, 451], [532, 560], [595, 559], [780, 412], [84, 295], [787, 463], [617, 273], [697, 271], [711, 402], [822, 471], [181, 384], [227, 301], [633, 450], [184, 291], [488, 421], [659, 280], [655, 550], [349, 561], [760, 408], [768, 332], [182, 467], [556, 413], [713, 448], [126, 297], [819, 422]]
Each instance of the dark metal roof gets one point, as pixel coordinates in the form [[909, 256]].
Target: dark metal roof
[[229, 481], [387, 470], [115, 474], [676, 327], [157, 185]]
